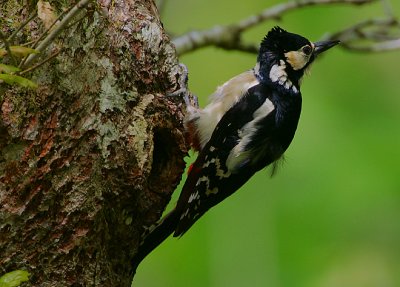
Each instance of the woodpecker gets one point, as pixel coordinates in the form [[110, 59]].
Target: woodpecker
[[248, 125]]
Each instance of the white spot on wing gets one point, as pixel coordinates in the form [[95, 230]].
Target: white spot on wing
[[194, 196], [185, 213], [204, 179], [212, 191], [239, 153], [207, 163], [218, 170]]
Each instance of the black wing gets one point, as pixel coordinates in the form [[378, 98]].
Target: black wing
[[226, 162], [234, 153]]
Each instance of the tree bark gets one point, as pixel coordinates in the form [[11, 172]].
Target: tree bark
[[91, 157]]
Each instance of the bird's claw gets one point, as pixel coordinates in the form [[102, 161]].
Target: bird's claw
[[183, 90]]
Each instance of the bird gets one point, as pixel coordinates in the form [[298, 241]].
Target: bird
[[248, 125]]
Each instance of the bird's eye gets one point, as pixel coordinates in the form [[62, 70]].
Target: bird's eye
[[307, 50]]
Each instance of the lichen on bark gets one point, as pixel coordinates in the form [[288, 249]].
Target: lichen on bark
[[92, 156]]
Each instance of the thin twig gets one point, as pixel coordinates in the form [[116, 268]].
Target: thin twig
[[375, 47], [49, 28], [58, 29], [27, 44], [387, 8], [75, 22], [376, 41], [277, 11], [12, 36], [40, 63], [7, 46], [355, 31], [229, 36], [35, 42]]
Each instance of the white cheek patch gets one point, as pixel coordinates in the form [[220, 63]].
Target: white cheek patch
[[297, 59], [278, 74]]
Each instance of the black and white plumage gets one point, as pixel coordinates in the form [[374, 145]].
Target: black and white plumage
[[248, 125]]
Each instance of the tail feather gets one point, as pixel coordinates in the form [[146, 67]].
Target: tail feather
[[156, 236]]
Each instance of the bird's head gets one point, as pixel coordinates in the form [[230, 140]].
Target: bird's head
[[284, 57]]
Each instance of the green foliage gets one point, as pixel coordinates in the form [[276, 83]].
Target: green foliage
[[8, 69], [7, 72], [21, 81], [14, 278], [19, 51]]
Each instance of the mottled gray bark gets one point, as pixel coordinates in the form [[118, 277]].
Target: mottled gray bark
[[93, 155]]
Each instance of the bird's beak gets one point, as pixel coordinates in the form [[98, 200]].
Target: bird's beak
[[322, 46]]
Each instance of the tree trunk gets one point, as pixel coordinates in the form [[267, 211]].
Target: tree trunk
[[91, 157]]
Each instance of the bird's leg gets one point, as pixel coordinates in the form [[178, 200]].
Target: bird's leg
[[192, 108]]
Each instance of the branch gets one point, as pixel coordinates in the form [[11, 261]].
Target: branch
[[374, 33], [40, 63], [7, 46], [57, 30], [229, 36], [387, 8], [11, 38], [277, 11], [56, 21], [377, 47]]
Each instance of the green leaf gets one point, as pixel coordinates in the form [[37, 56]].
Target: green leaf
[[14, 278], [8, 69], [19, 51], [13, 79], [22, 51]]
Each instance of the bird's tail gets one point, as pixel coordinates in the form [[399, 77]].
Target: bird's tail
[[156, 236]]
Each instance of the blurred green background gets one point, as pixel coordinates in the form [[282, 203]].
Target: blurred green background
[[331, 216]]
